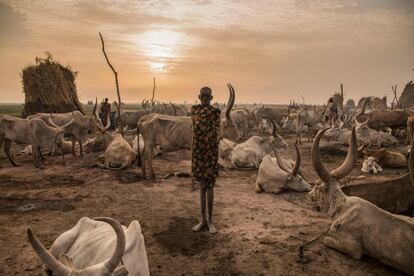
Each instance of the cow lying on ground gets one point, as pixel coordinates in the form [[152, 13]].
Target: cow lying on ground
[[277, 174], [365, 135], [250, 153], [34, 132], [65, 148], [360, 227], [118, 152], [95, 247], [387, 158]]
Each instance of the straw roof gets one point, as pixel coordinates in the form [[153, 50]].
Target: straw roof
[[49, 86]]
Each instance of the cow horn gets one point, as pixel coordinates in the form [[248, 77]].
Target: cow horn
[[116, 257], [70, 122], [342, 170], [297, 162], [319, 167], [231, 101], [350, 159], [96, 104], [48, 259], [279, 160], [165, 107], [51, 121], [175, 110], [142, 103], [274, 124]]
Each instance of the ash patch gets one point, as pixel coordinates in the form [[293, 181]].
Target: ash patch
[[125, 177], [24, 204], [335, 151], [44, 182], [179, 238]]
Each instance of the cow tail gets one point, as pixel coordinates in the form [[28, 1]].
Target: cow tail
[[139, 160]]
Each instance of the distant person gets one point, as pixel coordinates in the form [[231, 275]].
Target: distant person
[[333, 111], [206, 138], [105, 110]]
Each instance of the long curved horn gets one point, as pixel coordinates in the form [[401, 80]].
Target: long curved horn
[[70, 122], [48, 259], [95, 107], [231, 101], [165, 107], [175, 110], [274, 124], [319, 167], [350, 159], [279, 160], [51, 121], [297, 162], [116, 257], [142, 103]]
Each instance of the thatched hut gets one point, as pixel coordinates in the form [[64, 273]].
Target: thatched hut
[[49, 87], [407, 96]]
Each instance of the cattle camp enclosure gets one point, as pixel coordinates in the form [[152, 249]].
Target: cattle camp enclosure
[[258, 233]]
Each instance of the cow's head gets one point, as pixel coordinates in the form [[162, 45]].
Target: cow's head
[[276, 139], [64, 266], [331, 178], [228, 128], [60, 130], [294, 181], [386, 140]]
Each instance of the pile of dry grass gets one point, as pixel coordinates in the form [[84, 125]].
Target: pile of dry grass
[[49, 87]]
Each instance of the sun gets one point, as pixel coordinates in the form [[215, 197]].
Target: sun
[[161, 47]]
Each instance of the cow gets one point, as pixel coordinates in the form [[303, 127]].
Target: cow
[[168, 132], [118, 153], [250, 153], [310, 118], [276, 113], [65, 148], [370, 165], [372, 103], [360, 227], [365, 135], [277, 175], [81, 126], [34, 132], [130, 118], [381, 119], [387, 158], [140, 144], [95, 247]]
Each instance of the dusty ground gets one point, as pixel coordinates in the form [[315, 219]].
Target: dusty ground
[[259, 234]]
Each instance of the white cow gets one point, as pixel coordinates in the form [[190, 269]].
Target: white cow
[[118, 152], [95, 247], [370, 165], [277, 174]]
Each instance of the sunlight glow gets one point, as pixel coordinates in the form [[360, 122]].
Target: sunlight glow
[[161, 46]]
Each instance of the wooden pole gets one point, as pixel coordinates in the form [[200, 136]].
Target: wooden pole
[[120, 125], [153, 92]]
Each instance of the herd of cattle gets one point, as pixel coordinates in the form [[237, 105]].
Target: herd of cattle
[[363, 223]]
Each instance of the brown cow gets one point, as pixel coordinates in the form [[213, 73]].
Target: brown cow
[[387, 158]]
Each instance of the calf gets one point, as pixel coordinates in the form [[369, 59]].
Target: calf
[[95, 247]]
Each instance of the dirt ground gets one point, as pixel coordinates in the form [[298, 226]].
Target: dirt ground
[[259, 234]]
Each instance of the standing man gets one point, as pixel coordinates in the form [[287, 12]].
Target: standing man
[[206, 138], [105, 110]]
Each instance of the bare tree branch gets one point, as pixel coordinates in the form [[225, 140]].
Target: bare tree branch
[[153, 93], [120, 125]]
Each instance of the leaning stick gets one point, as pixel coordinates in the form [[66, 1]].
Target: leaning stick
[[121, 129]]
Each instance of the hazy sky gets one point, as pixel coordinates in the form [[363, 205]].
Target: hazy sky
[[271, 51]]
